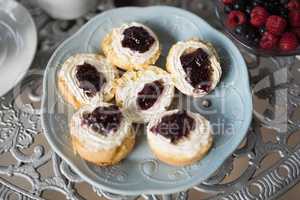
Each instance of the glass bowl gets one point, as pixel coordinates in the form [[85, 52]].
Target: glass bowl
[[222, 17]]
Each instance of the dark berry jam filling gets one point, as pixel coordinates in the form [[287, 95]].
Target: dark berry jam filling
[[103, 120], [137, 39], [197, 67], [149, 94], [175, 126], [89, 79]]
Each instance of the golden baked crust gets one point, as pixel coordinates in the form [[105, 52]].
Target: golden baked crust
[[104, 157], [169, 66], [181, 160], [115, 59], [68, 97]]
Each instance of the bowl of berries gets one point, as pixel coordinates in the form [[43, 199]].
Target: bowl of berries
[[265, 27]]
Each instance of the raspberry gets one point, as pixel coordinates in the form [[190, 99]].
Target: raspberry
[[227, 2], [276, 24], [236, 18], [259, 16], [293, 5], [294, 17], [296, 31], [268, 41], [288, 42]]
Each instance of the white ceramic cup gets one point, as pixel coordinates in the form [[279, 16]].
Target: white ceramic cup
[[67, 9]]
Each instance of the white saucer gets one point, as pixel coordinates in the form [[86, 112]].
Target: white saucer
[[18, 42]]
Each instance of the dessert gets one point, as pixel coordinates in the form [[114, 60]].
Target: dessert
[[179, 137], [85, 79], [269, 25], [131, 46], [101, 134], [143, 94], [194, 66]]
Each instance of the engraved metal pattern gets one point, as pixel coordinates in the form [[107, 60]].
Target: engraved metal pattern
[[273, 80]]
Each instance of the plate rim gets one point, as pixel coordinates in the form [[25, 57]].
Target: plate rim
[[46, 129], [20, 76]]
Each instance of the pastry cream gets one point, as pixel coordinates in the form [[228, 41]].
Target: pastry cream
[[68, 72], [94, 141], [133, 82], [178, 74], [126, 54], [187, 146]]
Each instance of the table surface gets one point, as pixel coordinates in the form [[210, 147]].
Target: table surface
[[265, 166]]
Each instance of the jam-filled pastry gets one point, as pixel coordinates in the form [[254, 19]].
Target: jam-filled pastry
[[195, 67], [101, 134], [179, 137], [86, 78], [144, 94], [131, 46]]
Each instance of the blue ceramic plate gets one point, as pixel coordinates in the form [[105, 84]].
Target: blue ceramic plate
[[229, 113]]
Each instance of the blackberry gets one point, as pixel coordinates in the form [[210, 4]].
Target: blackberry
[[242, 29], [248, 33], [253, 38], [240, 5], [228, 9], [284, 2], [273, 6], [257, 2], [248, 9], [262, 30], [283, 12]]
